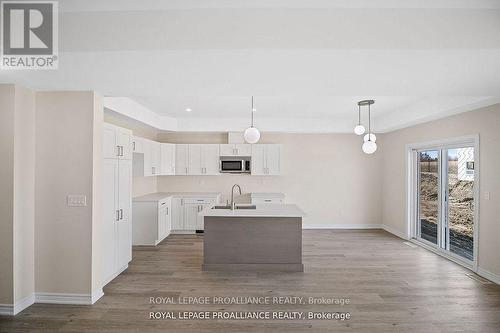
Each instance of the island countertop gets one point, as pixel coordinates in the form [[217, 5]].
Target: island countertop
[[262, 210]]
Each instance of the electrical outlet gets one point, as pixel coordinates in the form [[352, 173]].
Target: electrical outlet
[[77, 200], [487, 195]]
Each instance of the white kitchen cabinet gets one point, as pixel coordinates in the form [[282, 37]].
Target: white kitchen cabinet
[[177, 214], [137, 144], [191, 211], [167, 163], [266, 159], [193, 206], [117, 142], [235, 149], [143, 158], [152, 220], [185, 209], [117, 205], [209, 159], [155, 158], [197, 159], [181, 159], [194, 161]]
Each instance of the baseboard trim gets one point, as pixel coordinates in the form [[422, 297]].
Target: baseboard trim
[[24, 303], [341, 226], [395, 232], [12, 310], [96, 295], [112, 277], [62, 298], [6, 310], [488, 275]]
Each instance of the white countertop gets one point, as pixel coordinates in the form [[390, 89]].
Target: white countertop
[[263, 210], [162, 195]]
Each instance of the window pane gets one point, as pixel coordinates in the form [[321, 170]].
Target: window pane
[[428, 194], [461, 201]]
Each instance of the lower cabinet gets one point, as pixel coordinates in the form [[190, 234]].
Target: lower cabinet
[[152, 221], [185, 212], [157, 215]]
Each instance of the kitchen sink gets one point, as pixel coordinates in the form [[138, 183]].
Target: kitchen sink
[[237, 207]]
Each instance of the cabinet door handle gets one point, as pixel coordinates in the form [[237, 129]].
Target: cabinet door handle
[[167, 210], [153, 170], [118, 215], [120, 149], [121, 214], [117, 150], [186, 171]]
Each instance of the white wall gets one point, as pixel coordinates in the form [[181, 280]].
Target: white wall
[[486, 123], [66, 164], [327, 175]]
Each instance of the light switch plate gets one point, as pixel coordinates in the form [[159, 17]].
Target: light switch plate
[[77, 200]]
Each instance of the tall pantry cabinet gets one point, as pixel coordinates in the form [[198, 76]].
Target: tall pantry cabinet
[[117, 222]]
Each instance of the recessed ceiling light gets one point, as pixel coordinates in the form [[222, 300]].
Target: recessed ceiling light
[[188, 110]]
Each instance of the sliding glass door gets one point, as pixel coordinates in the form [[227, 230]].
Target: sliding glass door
[[445, 199]]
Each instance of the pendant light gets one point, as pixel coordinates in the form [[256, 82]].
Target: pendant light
[[252, 134], [369, 146], [359, 129]]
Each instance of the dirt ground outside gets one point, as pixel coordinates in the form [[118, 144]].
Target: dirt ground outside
[[460, 205]]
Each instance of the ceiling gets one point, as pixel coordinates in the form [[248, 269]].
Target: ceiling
[[306, 62]]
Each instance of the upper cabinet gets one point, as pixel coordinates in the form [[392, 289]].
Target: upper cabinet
[[266, 159], [117, 142], [181, 159], [194, 159], [151, 158], [167, 156], [235, 150]]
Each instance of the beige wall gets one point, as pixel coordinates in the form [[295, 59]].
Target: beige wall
[[7, 102], [97, 193], [327, 175], [486, 123], [65, 165], [16, 193], [24, 194]]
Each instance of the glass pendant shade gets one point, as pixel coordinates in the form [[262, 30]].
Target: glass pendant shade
[[369, 147], [252, 135], [359, 130], [371, 137]]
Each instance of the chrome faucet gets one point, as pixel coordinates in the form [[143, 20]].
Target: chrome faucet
[[232, 195]]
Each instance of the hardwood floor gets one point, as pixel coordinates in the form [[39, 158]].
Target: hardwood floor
[[392, 287]]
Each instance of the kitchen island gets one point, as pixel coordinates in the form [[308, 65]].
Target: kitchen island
[[263, 237]]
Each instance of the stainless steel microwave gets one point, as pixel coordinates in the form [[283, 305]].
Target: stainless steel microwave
[[239, 164]]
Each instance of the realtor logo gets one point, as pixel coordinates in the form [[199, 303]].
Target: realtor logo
[[29, 35]]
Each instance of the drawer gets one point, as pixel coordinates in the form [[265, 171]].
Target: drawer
[[267, 200], [200, 201]]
